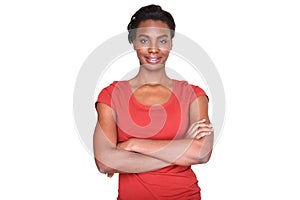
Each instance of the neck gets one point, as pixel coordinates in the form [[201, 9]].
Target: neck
[[145, 76]]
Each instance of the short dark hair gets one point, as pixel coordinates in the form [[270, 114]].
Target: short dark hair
[[154, 12]]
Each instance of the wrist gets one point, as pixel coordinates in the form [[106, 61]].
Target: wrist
[[132, 144]]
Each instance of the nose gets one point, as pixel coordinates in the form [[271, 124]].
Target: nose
[[153, 50]]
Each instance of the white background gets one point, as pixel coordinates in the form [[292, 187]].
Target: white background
[[254, 45]]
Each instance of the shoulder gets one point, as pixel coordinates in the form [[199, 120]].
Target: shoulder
[[107, 93], [114, 86], [114, 93], [189, 88], [111, 86]]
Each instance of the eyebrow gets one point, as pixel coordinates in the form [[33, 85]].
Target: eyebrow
[[147, 36]]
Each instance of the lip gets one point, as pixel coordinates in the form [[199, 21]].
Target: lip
[[152, 60]]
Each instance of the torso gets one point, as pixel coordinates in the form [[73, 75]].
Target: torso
[[166, 122]]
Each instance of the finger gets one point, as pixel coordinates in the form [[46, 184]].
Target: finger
[[201, 121], [193, 127], [110, 175], [205, 129], [202, 134], [198, 127], [205, 125]]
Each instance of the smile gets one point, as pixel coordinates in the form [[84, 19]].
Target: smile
[[153, 60]]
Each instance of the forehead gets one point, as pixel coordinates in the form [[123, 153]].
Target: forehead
[[153, 23], [153, 28]]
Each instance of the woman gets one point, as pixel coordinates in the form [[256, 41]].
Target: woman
[[151, 128]]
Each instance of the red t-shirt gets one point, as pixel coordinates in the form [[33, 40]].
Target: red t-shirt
[[162, 122]]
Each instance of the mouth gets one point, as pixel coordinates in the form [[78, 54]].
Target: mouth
[[153, 60]]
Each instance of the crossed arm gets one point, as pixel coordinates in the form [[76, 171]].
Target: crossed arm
[[142, 155]]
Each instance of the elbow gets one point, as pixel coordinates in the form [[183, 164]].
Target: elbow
[[104, 162], [204, 150], [196, 159], [204, 159], [202, 155], [102, 168]]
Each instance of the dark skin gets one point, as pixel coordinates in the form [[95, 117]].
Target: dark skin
[[152, 86]]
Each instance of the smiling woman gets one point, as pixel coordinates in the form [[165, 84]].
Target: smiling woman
[[152, 128]]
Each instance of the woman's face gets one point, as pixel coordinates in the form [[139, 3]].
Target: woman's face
[[153, 43]]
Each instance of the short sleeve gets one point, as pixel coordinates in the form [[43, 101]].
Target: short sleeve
[[105, 96], [198, 92]]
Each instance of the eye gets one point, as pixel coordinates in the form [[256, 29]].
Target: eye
[[144, 41], [163, 41]]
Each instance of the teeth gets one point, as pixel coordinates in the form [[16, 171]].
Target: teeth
[[153, 60]]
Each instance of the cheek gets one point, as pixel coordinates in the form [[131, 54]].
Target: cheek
[[166, 48], [165, 52], [140, 52]]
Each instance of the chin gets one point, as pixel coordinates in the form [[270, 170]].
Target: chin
[[153, 67]]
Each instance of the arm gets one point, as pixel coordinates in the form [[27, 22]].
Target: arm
[[108, 157], [186, 151]]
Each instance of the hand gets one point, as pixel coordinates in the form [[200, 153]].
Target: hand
[[199, 129], [127, 145]]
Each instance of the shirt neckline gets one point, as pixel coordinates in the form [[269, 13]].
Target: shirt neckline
[[136, 102]]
